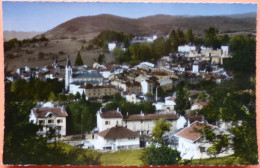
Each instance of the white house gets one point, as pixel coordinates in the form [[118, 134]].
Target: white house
[[51, 118], [143, 124], [195, 68], [108, 119], [116, 138], [198, 105], [131, 97], [192, 143], [170, 103], [225, 51], [147, 86], [186, 48], [111, 46]]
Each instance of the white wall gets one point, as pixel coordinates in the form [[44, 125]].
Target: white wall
[[99, 143], [111, 46], [75, 88], [101, 122], [187, 148], [181, 122], [186, 48]]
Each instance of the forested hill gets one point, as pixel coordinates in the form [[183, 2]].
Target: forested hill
[[87, 26]]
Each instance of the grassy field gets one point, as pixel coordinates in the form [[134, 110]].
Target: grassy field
[[132, 158], [122, 158], [228, 160]]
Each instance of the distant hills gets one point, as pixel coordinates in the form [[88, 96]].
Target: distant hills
[[20, 35], [87, 26]]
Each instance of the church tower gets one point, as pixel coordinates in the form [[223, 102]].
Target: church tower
[[68, 74]]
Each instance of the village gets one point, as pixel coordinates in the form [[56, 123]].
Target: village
[[136, 84]]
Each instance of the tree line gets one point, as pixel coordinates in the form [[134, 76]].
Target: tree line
[[8, 45]]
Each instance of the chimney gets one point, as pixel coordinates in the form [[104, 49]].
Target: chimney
[[117, 109], [126, 113]]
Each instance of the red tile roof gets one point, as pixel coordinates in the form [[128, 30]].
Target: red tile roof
[[43, 111], [193, 132], [117, 132], [201, 103], [151, 117], [111, 114]]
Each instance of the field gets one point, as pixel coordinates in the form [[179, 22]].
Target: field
[[228, 160], [122, 158], [132, 158]]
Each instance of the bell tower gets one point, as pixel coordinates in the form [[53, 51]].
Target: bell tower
[[68, 74]]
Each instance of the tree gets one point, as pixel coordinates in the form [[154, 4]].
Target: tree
[[182, 99], [189, 36], [161, 126], [101, 58], [202, 96], [211, 39], [162, 155], [79, 61], [244, 56]]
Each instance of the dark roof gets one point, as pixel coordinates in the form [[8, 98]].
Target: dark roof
[[95, 82], [134, 83], [151, 117], [193, 132], [111, 114], [97, 87], [194, 118], [43, 111], [86, 74], [117, 132]]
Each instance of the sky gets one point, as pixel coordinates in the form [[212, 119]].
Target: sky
[[43, 16]]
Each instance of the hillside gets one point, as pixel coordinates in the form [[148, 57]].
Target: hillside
[[86, 26], [67, 38]]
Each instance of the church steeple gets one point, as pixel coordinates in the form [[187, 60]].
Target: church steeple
[[55, 64], [69, 62], [68, 74]]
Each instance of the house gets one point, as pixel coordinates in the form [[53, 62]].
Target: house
[[192, 143], [51, 118], [166, 84], [116, 138], [198, 105], [111, 46], [131, 97], [148, 87], [143, 124], [170, 103], [186, 48], [108, 119], [99, 91]]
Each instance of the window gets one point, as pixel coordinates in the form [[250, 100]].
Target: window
[[141, 121], [42, 122], [131, 138], [107, 122], [50, 121], [202, 149], [59, 121]]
